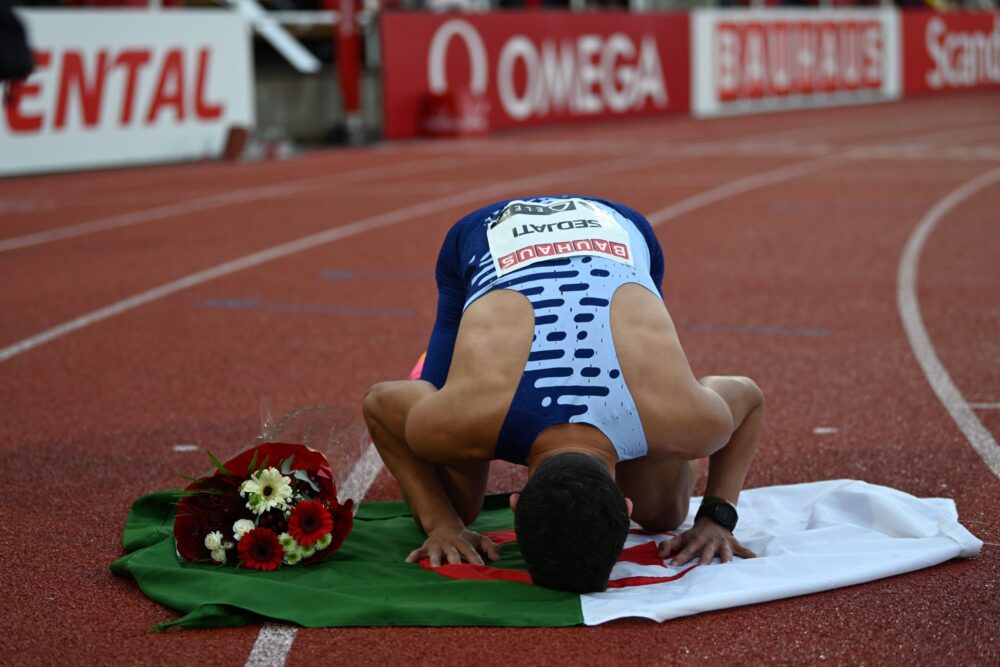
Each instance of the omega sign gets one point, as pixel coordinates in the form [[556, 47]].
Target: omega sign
[[582, 75]]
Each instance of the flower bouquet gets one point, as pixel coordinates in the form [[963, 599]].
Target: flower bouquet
[[273, 505]]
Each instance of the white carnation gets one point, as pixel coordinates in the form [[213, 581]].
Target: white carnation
[[242, 527], [213, 540], [219, 555]]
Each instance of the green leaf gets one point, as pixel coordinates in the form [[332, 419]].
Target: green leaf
[[219, 466], [197, 492], [253, 463], [302, 476]]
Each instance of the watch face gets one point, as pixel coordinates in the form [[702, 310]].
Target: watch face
[[725, 514]]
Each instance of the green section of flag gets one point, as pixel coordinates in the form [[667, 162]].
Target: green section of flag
[[366, 583]]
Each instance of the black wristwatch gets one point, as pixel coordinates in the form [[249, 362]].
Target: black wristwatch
[[719, 511]]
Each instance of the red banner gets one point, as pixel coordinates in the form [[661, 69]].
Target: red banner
[[943, 52], [534, 67]]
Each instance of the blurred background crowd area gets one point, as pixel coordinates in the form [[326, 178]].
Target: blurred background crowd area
[[490, 5]]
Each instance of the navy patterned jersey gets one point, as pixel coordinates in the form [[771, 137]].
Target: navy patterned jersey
[[572, 373]]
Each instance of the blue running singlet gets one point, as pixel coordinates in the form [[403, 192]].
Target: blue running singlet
[[567, 255]]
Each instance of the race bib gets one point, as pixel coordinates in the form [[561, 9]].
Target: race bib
[[526, 233]]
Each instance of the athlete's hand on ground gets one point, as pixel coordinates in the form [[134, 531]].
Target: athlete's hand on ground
[[455, 546], [706, 541]]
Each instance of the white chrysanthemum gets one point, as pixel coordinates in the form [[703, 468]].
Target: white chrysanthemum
[[213, 540], [292, 556], [219, 555], [307, 552], [287, 542], [324, 542], [268, 489], [242, 527]]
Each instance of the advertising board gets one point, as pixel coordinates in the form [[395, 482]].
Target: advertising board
[[115, 87], [534, 67], [949, 52], [773, 59]]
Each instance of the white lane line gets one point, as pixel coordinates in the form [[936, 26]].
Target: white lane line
[[749, 149], [272, 646], [985, 406], [436, 205], [913, 323], [362, 475], [274, 641], [243, 196], [740, 186]]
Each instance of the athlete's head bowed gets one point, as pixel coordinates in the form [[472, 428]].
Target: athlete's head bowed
[[571, 521]]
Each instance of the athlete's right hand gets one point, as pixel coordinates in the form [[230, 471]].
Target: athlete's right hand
[[455, 546]]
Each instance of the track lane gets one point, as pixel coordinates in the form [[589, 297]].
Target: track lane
[[144, 257], [58, 200], [176, 370], [50, 287], [965, 306]]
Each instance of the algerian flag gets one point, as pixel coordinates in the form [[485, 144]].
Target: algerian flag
[[809, 537]]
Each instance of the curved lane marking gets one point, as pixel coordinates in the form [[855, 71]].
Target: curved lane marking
[[913, 322]]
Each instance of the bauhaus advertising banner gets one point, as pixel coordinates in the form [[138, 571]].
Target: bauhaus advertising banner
[[948, 52], [534, 67], [123, 87], [768, 60]]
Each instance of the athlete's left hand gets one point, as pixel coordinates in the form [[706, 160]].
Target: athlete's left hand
[[706, 540]]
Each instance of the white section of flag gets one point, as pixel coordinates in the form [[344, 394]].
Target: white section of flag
[[809, 538]]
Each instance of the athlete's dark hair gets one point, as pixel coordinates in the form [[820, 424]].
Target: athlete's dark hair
[[571, 523]]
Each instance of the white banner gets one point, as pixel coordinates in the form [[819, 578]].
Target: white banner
[[768, 60], [116, 87]]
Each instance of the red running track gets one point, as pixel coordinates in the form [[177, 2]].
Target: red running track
[[783, 236]]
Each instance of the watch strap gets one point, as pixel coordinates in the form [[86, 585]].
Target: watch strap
[[721, 512]]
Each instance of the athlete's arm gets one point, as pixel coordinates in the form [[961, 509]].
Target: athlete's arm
[[451, 300], [386, 408], [727, 471], [728, 467]]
